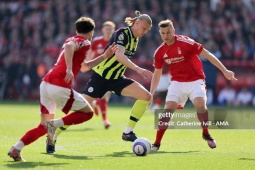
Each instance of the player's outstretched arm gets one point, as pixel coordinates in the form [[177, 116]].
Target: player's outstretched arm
[[155, 81], [123, 59], [70, 47], [230, 75], [87, 65]]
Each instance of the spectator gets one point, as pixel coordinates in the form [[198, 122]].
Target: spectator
[[253, 101], [244, 97], [31, 27], [227, 96]]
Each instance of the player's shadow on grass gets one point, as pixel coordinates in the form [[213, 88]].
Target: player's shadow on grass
[[120, 154], [128, 153], [24, 165], [246, 159], [72, 157], [69, 156], [79, 130], [164, 152]]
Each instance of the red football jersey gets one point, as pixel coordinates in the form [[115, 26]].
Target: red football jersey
[[98, 45], [57, 74], [181, 58]]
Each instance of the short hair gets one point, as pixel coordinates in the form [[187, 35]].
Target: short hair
[[144, 17], [109, 23], [166, 23], [84, 25]]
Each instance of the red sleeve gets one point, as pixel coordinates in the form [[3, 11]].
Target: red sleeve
[[191, 45], [197, 48], [158, 58]]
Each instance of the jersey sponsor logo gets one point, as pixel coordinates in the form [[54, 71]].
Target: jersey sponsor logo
[[90, 89], [168, 61], [129, 54], [174, 60]]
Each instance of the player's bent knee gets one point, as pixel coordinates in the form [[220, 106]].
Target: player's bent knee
[[148, 97], [90, 115], [86, 116]]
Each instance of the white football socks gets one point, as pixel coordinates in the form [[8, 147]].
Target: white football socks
[[128, 130], [19, 145]]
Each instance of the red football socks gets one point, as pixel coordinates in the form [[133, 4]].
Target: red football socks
[[33, 134], [203, 118], [159, 135], [77, 118]]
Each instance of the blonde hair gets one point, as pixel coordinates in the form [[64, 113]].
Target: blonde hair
[[130, 21], [109, 23], [166, 23]]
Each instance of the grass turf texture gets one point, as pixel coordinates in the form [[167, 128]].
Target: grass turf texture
[[90, 146]]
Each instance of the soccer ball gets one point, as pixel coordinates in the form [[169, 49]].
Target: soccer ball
[[141, 146]]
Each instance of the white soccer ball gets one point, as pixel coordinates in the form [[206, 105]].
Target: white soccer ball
[[141, 146]]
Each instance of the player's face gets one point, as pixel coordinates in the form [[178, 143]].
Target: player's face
[[142, 28], [108, 30], [167, 34]]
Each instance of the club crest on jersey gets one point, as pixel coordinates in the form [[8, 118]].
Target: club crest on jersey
[[91, 89], [179, 50]]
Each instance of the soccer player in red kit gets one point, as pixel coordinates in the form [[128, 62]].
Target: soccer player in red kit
[[181, 54], [56, 90], [97, 48]]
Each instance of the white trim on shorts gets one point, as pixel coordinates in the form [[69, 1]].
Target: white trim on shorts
[[52, 96]]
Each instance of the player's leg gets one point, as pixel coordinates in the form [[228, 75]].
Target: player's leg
[[143, 97], [29, 137], [95, 106], [67, 100], [159, 100], [174, 96], [170, 106], [103, 105], [198, 97], [91, 91], [47, 108]]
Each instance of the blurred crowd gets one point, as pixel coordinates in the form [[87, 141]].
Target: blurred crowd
[[32, 32]]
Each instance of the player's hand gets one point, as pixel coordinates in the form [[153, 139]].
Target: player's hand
[[146, 74], [110, 51], [69, 75], [230, 75]]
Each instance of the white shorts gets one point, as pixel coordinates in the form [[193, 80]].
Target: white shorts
[[52, 96], [179, 92]]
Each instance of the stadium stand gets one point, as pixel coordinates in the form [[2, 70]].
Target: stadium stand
[[31, 32]]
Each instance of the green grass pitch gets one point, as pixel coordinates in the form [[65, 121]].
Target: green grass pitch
[[90, 146]]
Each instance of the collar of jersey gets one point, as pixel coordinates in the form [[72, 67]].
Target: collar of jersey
[[129, 29]]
